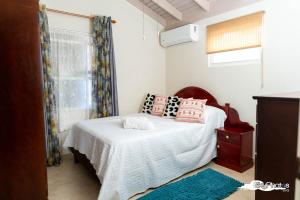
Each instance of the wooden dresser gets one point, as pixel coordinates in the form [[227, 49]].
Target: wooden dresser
[[276, 144]]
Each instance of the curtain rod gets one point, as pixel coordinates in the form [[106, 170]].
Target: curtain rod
[[75, 14]]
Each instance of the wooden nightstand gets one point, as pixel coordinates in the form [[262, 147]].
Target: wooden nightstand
[[234, 148]]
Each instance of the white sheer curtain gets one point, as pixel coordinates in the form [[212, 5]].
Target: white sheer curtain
[[71, 56]]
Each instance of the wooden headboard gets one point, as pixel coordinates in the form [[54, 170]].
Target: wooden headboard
[[233, 120]]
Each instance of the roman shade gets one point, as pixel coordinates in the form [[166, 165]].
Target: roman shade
[[239, 33]]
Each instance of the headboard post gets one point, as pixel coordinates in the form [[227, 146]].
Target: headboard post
[[226, 108]]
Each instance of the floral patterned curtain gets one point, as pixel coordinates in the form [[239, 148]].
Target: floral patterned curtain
[[105, 100], [52, 142]]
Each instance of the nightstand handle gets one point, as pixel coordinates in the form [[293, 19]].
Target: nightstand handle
[[218, 146], [227, 136]]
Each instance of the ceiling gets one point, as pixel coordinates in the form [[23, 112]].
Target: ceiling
[[173, 13]]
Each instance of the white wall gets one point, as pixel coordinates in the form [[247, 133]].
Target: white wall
[[140, 63], [187, 63]]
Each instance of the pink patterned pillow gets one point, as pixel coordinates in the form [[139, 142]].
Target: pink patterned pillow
[[191, 110], [159, 105]]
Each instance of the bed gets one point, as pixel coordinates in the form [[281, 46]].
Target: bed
[[129, 161]]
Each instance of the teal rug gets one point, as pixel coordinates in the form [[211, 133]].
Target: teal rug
[[206, 185]]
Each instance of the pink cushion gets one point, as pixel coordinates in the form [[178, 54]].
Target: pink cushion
[[159, 105], [191, 110]]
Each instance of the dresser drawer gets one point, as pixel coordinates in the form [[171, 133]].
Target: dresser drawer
[[229, 137], [228, 152]]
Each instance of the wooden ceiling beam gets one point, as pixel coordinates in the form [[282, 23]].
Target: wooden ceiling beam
[[165, 5], [139, 5], [204, 4]]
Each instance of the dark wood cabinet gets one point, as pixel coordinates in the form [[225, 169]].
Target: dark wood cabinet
[[234, 148], [276, 143], [22, 141]]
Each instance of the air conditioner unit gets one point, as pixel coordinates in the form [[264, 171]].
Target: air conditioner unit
[[187, 33]]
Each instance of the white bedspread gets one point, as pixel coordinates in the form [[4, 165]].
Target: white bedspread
[[129, 161]]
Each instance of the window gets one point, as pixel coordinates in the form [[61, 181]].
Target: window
[[238, 57], [71, 57], [236, 41]]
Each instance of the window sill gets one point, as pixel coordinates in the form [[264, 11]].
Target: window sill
[[234, 64]]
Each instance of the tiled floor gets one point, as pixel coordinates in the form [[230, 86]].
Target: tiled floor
[[72, 181]]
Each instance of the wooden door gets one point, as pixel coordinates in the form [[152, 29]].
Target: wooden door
[[22, 142]]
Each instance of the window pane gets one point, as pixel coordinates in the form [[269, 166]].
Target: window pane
[[239, 56], [74, 101], [71, 57], [73, 93], [74, 63]]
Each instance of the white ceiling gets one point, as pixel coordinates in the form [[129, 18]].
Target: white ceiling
[[172, 13]]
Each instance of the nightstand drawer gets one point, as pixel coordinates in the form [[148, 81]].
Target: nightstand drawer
[[228, 137], [228, 152]]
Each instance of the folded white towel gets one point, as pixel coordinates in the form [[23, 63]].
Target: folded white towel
[[141, 123]]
